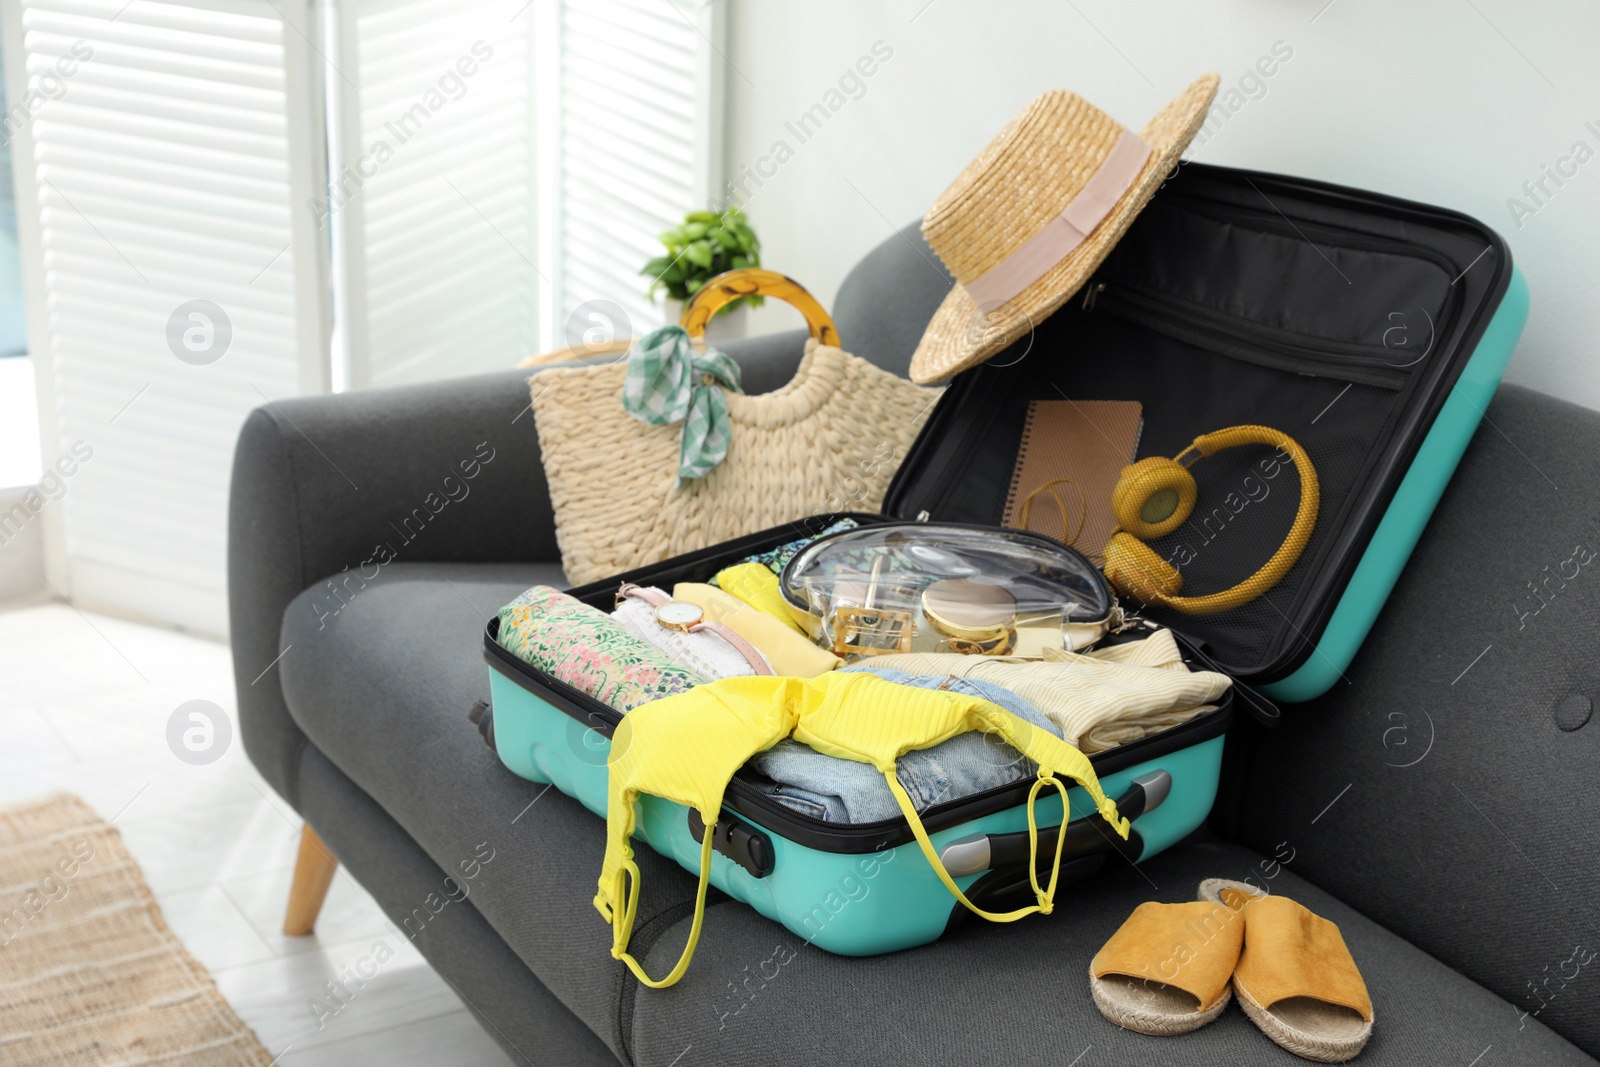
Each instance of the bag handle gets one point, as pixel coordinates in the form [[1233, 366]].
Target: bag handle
[[731, 285]]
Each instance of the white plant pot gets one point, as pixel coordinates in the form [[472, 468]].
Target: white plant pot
[[728, 326]]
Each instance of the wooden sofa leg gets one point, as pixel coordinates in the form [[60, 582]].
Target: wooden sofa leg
[[313, 873]]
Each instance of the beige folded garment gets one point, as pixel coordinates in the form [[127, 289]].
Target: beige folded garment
[[1114, 732], [1100, 699], [790, 654]]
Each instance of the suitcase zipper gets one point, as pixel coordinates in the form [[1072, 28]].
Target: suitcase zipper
[[1243, 340], [745, 800]]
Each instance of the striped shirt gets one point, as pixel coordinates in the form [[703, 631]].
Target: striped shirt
[[1100, 699]]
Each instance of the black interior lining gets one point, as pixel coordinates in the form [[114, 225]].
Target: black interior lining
[[1285, 280], [1241, 299]]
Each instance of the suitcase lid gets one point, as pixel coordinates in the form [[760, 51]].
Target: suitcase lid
[[1338, 318]]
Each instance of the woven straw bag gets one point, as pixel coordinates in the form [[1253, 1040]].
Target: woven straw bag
[[827, 441]]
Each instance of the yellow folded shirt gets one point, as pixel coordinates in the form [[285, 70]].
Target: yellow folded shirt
[[790, 654], [756, 585]]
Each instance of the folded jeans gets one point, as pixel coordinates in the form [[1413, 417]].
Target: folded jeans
[[845, 791]]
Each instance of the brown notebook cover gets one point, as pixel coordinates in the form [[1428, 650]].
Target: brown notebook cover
[[1086, 441]]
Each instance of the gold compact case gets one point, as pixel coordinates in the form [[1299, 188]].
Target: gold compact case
[[974, 617]]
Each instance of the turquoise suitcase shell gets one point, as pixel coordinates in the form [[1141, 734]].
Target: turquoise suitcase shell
[[869, 890], [869, 900], [1408, 513]]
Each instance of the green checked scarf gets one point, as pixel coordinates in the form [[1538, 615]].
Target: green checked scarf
[[669, 380]]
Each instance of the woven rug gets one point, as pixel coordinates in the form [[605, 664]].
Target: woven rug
[[89, 971]]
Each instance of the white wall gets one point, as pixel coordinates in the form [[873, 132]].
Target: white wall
[[1451, 102]]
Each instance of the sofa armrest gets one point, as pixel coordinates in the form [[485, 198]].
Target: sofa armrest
[[442, 472], [447, 471]]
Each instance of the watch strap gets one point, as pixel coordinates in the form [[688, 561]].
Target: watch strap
[[752, 655], [655, 598]]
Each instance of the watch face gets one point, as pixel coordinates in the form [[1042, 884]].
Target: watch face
[[678, 613]]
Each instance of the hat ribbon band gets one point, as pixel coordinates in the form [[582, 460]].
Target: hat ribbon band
[[1064, 233]]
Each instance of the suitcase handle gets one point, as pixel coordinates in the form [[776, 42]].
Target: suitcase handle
[[1086, 836], [732, 285]]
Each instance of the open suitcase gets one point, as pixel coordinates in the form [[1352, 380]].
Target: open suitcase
[[1372, 330]]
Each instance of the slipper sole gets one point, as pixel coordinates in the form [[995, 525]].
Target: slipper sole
[[1211, 889], [1150, 1007], [1311, 1029]]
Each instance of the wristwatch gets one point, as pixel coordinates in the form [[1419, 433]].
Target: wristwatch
[[679, 615], [689, 618]]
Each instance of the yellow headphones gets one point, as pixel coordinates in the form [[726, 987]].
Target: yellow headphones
[[1155, 495]]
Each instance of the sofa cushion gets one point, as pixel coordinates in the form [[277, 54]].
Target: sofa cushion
[[382, 686], [441, 918], [1453, 770], [1019, 993]]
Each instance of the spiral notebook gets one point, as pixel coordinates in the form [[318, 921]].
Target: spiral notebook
[[1071, 455]]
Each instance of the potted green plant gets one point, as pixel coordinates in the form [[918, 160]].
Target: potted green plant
[[704, 245]]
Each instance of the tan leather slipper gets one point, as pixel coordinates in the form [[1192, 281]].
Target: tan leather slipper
[[1295, 979], [1165, 971]]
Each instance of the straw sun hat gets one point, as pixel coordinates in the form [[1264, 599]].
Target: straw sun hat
[[1028, 221]]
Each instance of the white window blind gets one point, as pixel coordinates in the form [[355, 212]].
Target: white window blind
[[639, 142], [486, 167], [164, 153], [433, 188], [502, 164]]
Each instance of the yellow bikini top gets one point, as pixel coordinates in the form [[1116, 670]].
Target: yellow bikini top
[[686, 748]]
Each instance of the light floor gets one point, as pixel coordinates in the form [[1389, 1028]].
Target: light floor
[[84, 705]]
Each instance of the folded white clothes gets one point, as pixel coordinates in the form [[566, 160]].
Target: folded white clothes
[[705, 652]]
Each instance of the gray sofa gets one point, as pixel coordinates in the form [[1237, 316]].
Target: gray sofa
[[1442, 804]]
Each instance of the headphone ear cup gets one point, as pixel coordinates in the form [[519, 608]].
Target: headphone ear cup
[[1136, 570], [1153, 497]]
